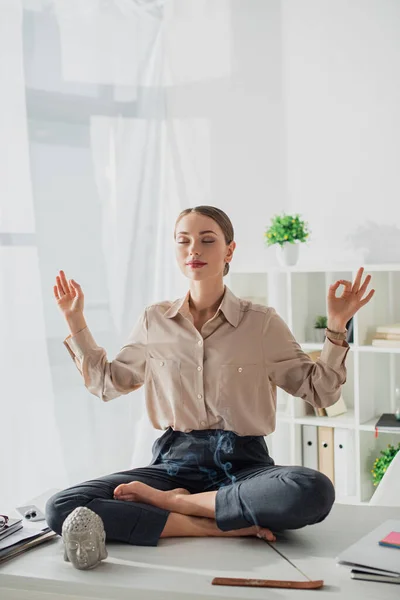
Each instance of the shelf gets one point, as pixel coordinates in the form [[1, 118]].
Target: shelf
[[372, 387], [378, 349], [348, 500], [346, 420], [317, 346], [370, 426], [311, 346]]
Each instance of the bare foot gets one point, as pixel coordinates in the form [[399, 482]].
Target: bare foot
[[260, 532], [136, 491], [171, 500], [187, 526]]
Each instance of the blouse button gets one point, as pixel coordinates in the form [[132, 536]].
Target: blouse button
[[203, 423], [240, 369], [199, 396], [161, 364], [200, 343], [199, 368]]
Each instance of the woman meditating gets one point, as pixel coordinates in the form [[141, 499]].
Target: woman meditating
[[210, 363]]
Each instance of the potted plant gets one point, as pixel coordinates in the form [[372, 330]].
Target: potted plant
[[382, 463], [287, 232], [320, 324]]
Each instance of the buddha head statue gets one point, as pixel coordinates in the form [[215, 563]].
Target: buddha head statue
[[84, 538]]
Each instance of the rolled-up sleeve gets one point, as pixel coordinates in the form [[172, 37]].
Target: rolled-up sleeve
[[105, 379], [289, 367]]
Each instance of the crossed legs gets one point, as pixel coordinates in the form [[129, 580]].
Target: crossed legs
[[134, 521], [140, 506], [270, 497]]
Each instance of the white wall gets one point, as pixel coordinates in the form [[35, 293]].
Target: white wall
[[341, 65], [245, 113], [248, 156], [306, 120]]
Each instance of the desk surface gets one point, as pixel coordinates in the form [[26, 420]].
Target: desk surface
[[184, 567]]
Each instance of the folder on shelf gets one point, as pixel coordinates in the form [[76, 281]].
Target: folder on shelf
[[310, 446], [367, 556], [344, 453], [326, 452]]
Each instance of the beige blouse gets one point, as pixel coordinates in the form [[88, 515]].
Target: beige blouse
[[222, 378]]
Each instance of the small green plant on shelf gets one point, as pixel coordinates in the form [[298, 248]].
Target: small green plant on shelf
[[382, 463], [286, 228], [321, 322]]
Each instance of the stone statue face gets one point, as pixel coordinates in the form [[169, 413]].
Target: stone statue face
[[84, 538], [83, 549]]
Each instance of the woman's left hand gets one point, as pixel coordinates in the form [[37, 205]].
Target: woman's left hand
[[342, 308]]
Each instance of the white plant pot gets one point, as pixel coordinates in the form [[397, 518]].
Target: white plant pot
[[288, 254], [319, 335]]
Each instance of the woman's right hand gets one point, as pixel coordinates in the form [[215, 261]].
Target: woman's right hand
[[69, 296]]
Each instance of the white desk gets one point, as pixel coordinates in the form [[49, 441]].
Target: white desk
[[183, 568]]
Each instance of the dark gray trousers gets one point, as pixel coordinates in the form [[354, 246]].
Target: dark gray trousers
[[251, 489]]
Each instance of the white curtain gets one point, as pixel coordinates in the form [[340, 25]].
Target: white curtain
[[30, 449], [100, 158]]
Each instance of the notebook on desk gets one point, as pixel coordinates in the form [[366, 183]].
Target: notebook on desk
[[369, 556]]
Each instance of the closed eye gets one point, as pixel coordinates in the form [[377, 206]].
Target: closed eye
[[203, 241]]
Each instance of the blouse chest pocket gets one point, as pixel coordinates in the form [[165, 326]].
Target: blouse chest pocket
[[239, 382], [165, 373]]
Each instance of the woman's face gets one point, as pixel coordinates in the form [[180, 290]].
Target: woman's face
[[201, 250]]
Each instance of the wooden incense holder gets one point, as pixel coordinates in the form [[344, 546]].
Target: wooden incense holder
[[273, 583]]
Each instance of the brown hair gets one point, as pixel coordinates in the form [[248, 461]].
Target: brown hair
[[219, 217]]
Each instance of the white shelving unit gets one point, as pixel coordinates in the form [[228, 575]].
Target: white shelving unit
[[373, 374]]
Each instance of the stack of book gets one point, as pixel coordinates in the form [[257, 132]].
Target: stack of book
[[16, 538], [10, 527], [387, 336], [388, 423], [375, 556]]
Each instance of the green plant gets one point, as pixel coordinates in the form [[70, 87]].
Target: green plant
[[320, 322], [382, 462], [286, 228]]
